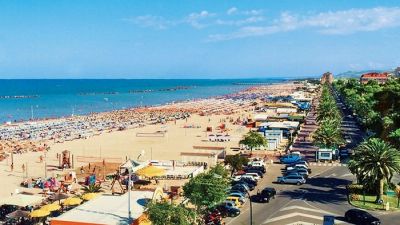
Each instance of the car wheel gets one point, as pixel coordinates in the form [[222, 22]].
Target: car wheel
[[281, 182], [298, 183]]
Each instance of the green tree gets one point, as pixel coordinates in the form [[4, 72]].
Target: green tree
[[220, 171], [164, 213], [375, 162], [253, 140], [236, 162], [328, 135], [205, 190]]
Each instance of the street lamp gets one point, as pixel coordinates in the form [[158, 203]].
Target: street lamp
[[251, 207]]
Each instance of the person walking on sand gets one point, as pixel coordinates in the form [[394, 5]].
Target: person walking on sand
[[12, 167]]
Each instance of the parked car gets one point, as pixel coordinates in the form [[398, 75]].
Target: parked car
[[298, 163], [358, 216], [249, 181], [238, 177], [254, 175], [240, 187], [301, 172], [230, 204], [213, 218], [259, 168], [292, 179], [290, 158], [242, 198], [265, 195], [228, 211], [259, 172], [235, 200], [298, 167], [248, 185]]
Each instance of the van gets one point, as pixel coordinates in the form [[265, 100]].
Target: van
[[235, 200]]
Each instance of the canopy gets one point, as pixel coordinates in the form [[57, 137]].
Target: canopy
[[39, 213], [21, 200], [150, 171], [51, 207], [18, 214], [72, 201], [89, 196]]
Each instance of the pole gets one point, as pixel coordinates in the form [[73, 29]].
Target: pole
[[129, 196], [45, 165], [251, 208]]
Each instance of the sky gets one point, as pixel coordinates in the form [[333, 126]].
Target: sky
[[196, 39]]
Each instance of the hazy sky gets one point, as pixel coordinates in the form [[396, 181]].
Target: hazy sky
[[196, 39]]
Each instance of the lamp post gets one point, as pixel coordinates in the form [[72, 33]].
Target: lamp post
[[129, 196], [251, 207]]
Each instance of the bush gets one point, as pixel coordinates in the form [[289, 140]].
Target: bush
[[356, 189], [354, 197]]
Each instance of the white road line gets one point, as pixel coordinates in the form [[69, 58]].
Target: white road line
[[307, 209]]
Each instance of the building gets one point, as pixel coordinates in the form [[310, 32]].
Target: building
[[381, 78], [397, 72], [327, 78]]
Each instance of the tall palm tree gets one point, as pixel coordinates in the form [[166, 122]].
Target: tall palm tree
[[328, 135], [375, 162]]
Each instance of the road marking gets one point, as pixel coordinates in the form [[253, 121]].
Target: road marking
[[307, 209], [290, 215], [347, 175]]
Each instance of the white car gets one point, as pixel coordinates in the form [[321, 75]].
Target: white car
[[238, 177], [297, 166], [255, 175]]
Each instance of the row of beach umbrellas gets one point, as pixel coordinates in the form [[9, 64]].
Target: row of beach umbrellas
[[47, 209]]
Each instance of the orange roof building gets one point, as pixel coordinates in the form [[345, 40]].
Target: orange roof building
[[381, 78]]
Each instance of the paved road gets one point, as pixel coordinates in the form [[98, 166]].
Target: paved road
[[323, 194]]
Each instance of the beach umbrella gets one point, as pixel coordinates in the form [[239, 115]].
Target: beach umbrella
[[51, 207], [89, 196], [18, 214], [39, 213], [72, 201], [59, 196], [150, 171]]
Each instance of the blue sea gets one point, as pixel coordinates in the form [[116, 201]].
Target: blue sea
[[35, 98]]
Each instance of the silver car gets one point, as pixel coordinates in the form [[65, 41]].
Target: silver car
[[292, 179]]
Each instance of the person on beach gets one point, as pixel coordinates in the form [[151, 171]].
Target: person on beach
[[12, 167], [23, 168], [82, 170]]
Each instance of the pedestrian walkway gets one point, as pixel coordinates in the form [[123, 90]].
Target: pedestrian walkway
[[303, 142]]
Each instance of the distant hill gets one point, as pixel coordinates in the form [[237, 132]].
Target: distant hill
[[356, 74]]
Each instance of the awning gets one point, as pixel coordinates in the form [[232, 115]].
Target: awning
[[22, 200]]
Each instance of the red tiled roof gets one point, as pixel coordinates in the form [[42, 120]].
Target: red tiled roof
[[375, 75]]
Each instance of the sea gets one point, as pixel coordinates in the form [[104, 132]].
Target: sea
[[26, 99]]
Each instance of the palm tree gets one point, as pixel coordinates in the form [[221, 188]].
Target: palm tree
[[328, 135], [375, 162], [253, 140], [92, 188]]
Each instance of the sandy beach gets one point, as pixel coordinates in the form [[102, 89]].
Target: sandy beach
[[118, 144]]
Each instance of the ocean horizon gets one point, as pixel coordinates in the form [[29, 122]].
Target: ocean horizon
[[25, 99]]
